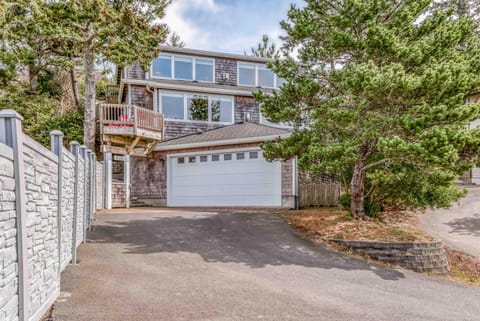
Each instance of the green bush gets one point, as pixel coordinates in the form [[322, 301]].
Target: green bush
[[345, 201]]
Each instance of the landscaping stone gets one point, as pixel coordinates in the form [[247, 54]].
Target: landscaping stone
[[417, 256]]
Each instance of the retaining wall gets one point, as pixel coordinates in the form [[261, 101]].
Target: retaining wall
[[416, 256]]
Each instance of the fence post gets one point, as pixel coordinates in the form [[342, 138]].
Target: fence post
[[107, 165], [94, 192], [56, 145], [126, 179], [92, 188], [11, 134], [74, 149], [83, 154]]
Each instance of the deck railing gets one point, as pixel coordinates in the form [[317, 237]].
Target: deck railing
[[130, 116]]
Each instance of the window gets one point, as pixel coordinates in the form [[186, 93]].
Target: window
[[162, 67], [265, 77], [196, 107], [221, 109], [192, 159], [180, 160], [240, 156], [227, 157], [203, 159], [253, 155], [183, 68], [215, 158], [257, 75], [246, 74], [172, 106], [204, 70]]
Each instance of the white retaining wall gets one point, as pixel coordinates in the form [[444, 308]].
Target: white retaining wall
[[38, 212]]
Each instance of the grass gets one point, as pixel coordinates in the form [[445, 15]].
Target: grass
[[322, 224]]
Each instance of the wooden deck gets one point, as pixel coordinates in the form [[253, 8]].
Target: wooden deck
[[129, 129]]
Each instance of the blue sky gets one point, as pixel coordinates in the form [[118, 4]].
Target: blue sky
[[226, 25]]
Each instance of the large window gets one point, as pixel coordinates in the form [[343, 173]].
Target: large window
[[257, 76], [173, 106], [196, 107], [183, 68], [162, 67], [204, 69]]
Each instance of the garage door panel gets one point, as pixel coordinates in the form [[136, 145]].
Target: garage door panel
[[247, 182]]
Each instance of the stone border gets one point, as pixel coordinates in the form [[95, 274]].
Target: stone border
[[417, 256]]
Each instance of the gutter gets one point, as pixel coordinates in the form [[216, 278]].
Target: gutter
[[235, 141], [212, 54], [209, 90]]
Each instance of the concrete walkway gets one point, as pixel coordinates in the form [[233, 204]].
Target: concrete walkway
[[458, 226], [179, 265]]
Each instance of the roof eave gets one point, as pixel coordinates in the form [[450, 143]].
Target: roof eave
[[223, 142]]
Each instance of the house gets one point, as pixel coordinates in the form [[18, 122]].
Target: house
[[473, 176], [209, 152]]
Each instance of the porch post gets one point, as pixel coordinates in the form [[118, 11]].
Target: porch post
[[126, 179], [107, 163]]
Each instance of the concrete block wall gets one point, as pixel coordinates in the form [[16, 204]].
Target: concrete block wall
[[68, 199], [38, 211], [41, 178], [8, 238]]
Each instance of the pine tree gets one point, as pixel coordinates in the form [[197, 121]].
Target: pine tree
[[376, 94], [264, 49]]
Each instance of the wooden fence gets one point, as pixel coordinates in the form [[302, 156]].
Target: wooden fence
[[319, 194]]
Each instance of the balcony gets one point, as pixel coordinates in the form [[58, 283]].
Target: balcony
[[129, 129]]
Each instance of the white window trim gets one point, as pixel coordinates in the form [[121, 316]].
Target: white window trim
[[256, 67], [185, 96], [194, 76]]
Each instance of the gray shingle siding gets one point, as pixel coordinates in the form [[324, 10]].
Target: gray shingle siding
[[245, 105], [228, 68]]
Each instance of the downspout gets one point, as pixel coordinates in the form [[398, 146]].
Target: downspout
[[295, 182]]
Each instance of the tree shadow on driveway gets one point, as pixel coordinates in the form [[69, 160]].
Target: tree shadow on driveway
[[466, 225], [256, 240]]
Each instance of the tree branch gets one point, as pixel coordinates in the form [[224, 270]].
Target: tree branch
[[380, 162]]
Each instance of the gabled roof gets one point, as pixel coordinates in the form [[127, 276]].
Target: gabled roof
[[227, 135]]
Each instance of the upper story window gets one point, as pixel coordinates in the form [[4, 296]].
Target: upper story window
[[257, 75], [183, 68], [196, 107]]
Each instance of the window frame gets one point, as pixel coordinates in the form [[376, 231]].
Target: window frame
[[256, 67], [194, 71], [185, 96]]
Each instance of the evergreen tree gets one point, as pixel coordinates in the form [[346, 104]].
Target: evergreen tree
[[377, 96], [264, 49], [120, 31]]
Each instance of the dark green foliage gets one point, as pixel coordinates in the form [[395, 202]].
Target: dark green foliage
[[345, 201], [377, 97], [40, 113]]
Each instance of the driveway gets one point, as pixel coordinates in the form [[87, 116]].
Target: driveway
[[458, 226], [180, 265]]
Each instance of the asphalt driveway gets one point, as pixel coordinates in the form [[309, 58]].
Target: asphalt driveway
[[458, 226], [179, 265]]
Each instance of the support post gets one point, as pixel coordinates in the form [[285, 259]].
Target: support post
[[126, 179], [83, 154], [107, 163], [11, 134], [74, 149], [56, 145], [94, 192]]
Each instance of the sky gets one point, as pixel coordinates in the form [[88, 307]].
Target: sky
[[231, 26]]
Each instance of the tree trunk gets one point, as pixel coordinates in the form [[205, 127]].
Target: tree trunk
[[33, 77], [357, 191], [89, 122], [74, 81]]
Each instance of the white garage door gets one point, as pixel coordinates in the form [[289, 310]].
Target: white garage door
[[240, 178]]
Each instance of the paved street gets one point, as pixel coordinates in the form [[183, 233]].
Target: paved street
[[458, 226], [180, 265]]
